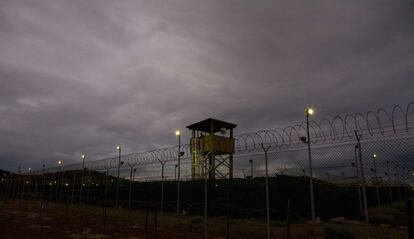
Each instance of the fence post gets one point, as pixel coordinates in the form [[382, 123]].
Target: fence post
[[57, 186], [62, 183], [6, 193], [288, 220], [16, 189], [155, 223], [364, 193], [88, 187], [251, 168], [389, 182], [131, 221], [206, 173], [105, 201], [130, 188], [162, 188], [265, 149], [43, 183], [13, 189], [2, 187], [410, 219], [36, 189], [24, 186], [361, 211], [398, 180], [228, 207], [73, 188], [42, 201], [51, 187], [146, 220]]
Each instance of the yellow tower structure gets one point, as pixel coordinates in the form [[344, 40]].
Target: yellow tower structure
[[212, 149]]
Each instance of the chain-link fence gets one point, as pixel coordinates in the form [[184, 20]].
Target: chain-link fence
[[358, 161]]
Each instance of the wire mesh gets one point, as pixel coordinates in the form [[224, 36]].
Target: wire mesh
[[388, 176]]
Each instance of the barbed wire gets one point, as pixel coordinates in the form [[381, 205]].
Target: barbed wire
[[340, 128]]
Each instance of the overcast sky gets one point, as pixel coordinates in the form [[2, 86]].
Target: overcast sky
[[83, 75]]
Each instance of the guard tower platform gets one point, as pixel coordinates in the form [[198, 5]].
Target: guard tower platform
[[212, 149]]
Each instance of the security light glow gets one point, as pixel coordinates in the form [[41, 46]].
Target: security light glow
[[83, 156], [59, 162], [177, 132], [118, 147], [310, 111], [374, 155]]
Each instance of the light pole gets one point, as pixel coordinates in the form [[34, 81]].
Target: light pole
[[60, 162], [83, 157], [178, 134], [175, 172], [117, 180], [309, 112], [30, 180], [374, 157]]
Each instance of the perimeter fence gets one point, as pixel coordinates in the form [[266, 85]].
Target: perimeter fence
[[349, 152]]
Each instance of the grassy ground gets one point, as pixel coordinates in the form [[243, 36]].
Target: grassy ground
[[23, 219]]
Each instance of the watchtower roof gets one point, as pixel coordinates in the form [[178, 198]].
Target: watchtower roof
[[205, 125]]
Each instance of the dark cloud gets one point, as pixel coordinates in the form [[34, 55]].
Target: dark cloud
[[83, 76]]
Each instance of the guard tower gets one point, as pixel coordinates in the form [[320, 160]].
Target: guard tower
[[212, 148]]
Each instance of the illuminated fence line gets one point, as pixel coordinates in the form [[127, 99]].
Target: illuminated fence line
[[377, 124], [338, 166]]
